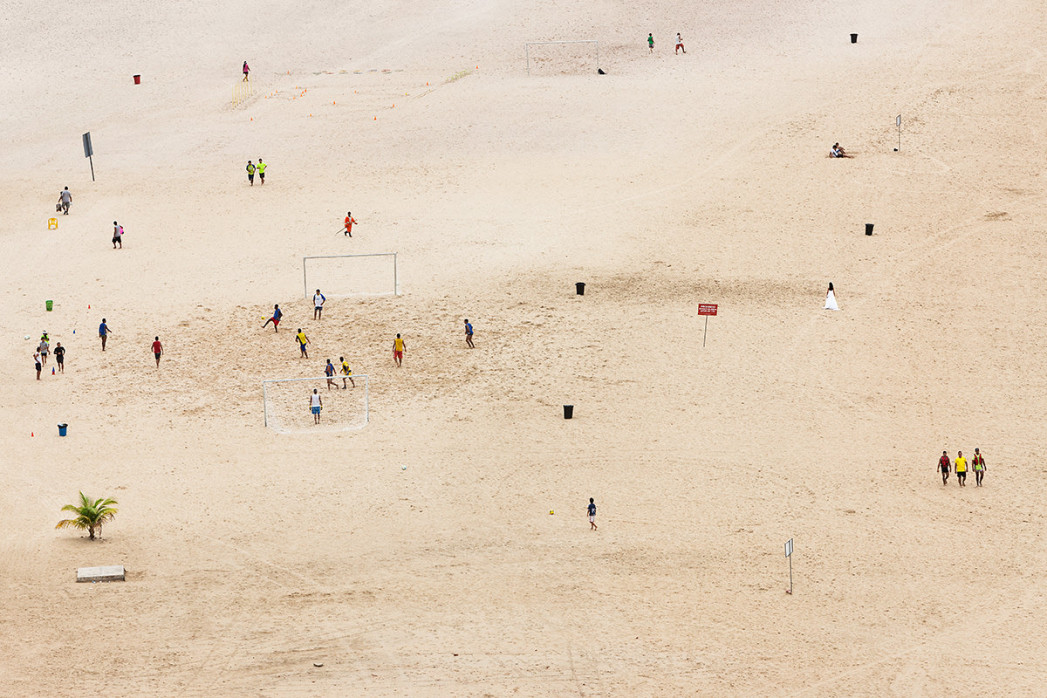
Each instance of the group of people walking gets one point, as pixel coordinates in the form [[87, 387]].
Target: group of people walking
[[961, 466]]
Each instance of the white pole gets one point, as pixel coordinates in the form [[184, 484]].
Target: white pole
[[305, 281], [396, 281]]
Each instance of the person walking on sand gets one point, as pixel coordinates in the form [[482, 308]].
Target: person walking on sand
[[329, 372], [302, 341], [275, 319], [36, 360], [978, 462], [60, 357], [44, 349], [943, 466], [650, 43], [250, 172], [349, 220], [65, 200], [679, 44], [158, 350], [347, 373], [104, 332], [398, 350], [592, 515], [830, 298], [469, 335], [118, 235], [961, 469], [318, 304], [247, 71], [261, 171], [315, 405]]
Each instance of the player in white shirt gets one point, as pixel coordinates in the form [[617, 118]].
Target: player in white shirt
[[318, 304], [315, 405]]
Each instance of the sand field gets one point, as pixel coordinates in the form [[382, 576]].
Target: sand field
[[672, 180]]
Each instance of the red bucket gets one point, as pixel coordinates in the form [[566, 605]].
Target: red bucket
[[138, 79]]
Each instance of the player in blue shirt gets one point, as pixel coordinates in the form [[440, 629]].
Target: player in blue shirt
[[469, 334], [104, 332], [592, 514], [329, 372], [275, 319]]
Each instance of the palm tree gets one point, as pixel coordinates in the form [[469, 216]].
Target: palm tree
[[89, 514]]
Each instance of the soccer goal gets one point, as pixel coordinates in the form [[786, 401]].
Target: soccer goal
[[287, 404], [562, 57], [351, 274]]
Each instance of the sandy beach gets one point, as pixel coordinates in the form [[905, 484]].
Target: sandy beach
[[443, 549]]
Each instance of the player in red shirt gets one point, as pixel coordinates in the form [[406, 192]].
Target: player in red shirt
[[944, 465], [349, 220], [158, 350]]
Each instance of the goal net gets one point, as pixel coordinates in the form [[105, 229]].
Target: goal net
[[562, 57], [287, 404], [351, 274]]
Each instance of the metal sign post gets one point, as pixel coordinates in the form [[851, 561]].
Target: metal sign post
[[898, 121], [89, 152], [706, 309], [789, 554]]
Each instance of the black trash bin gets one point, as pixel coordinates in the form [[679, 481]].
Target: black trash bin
[[869, 228], [854, 38], [580, 288], [568, 411]]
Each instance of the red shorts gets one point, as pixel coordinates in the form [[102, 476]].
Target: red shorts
[[398, 354], [275, 321]]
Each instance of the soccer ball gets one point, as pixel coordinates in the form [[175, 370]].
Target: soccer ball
[[27, 336], [403, 467]]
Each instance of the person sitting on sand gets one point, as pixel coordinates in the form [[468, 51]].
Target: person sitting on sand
[[838, 152]]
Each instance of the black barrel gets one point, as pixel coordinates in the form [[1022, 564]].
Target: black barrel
[[568, 411]]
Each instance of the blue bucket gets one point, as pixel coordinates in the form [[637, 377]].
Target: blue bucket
[[62, 429]]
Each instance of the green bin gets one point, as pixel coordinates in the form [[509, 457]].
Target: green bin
[[50, 305]]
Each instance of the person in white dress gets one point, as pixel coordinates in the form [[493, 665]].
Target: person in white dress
[[830, 298]]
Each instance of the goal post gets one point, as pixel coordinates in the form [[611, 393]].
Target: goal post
[[374, 274], [529, 44], [286, 404]]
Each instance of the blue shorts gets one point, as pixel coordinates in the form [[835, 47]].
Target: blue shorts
[[316, 409]]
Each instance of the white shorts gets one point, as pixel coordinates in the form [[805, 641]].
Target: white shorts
[[592, 517]]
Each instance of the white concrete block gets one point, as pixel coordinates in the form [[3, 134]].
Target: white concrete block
[[108, 573]]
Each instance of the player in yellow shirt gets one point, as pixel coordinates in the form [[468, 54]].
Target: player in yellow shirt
[[960, 464], [302, 341], [398, 350], [347, 373]]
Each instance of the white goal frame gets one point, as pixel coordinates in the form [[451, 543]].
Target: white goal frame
[[367, 395], [396, 279], [529, 44]]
